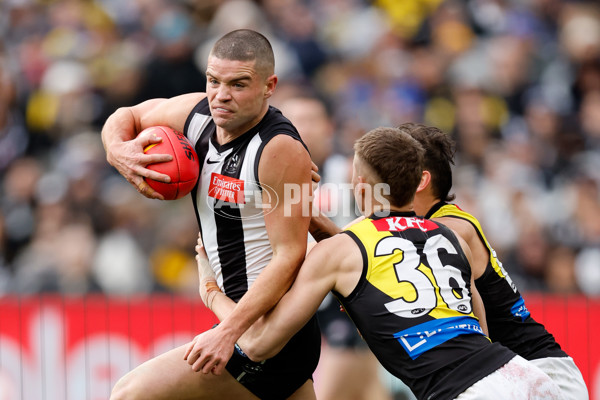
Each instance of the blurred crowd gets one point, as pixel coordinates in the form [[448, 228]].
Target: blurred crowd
[[515, 82]]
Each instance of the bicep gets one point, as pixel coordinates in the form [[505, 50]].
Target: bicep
[[284, 173], [171, 112], [287, 232]]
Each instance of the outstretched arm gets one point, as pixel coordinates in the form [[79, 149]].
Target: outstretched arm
[[333, 264], [318, 275], [284, 166], [125, 150]]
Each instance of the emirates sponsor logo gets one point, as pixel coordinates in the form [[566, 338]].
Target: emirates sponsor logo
[[226, 188]]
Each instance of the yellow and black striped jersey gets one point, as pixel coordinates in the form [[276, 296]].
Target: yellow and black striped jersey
[[508, 319], [413, 306]]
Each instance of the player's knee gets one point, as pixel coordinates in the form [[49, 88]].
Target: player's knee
[[257, 351], [126, 389]]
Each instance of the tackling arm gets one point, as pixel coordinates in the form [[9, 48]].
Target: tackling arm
[[317, 277], [269, 334]]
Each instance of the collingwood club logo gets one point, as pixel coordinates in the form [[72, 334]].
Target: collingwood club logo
[[232, 165]]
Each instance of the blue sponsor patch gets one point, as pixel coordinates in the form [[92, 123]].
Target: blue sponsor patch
[[423, 337], [519, 309]]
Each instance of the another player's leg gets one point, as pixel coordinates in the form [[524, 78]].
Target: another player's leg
[[350, 373], [567, 376], [169, 376], [517, 379]]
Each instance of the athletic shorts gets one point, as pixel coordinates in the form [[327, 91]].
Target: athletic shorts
[[517, 379], [279, 377], [337, 327], [564, 372]]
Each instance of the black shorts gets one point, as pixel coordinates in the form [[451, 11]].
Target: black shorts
[[337, 327], [279, 377]]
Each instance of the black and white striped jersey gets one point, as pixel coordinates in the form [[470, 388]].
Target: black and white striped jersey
[[228, 197]]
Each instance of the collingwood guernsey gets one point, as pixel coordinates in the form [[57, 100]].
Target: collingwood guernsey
[[229, 198]]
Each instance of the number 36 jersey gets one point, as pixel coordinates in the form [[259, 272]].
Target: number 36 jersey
[[413, 306]]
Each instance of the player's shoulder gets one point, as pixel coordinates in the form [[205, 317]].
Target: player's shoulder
[[275, 124], [285, 148], [460, 227], [341, 247]]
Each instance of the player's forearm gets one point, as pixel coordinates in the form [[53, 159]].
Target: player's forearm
[[119, 127], [263, 295], [261, 340], [316, 278], [125, 123], [221, 305], [321, 227], [264, 340]]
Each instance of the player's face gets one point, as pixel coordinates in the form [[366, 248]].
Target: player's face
[[237, 94]]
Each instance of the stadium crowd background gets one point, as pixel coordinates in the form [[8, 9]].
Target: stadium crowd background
[[516, 84]]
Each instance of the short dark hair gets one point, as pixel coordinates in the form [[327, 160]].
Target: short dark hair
[[397, 158], [246, 45], [439, 157]]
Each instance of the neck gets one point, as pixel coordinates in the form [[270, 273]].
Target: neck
[[424, 200], [224, 137], [377, 207]]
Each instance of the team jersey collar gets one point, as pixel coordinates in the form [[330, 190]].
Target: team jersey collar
[[435, 208], [393, 214]]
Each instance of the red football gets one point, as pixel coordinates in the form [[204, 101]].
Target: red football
[[183, 169]]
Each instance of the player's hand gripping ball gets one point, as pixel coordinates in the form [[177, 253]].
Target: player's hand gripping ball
[[183, 169]]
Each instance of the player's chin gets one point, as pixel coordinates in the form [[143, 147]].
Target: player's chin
[[228, 123]]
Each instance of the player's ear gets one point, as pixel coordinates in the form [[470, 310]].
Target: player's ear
[[270, 85], [425, 181], [360, 192]]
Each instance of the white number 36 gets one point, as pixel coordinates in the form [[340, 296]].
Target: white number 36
[[447, 278]]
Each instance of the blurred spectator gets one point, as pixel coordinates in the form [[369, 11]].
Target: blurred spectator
[[171, 69], [18, 205], [173, 266], [248, 15], [14, 138]]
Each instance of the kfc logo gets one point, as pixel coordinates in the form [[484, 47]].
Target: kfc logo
[[399, 224]]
